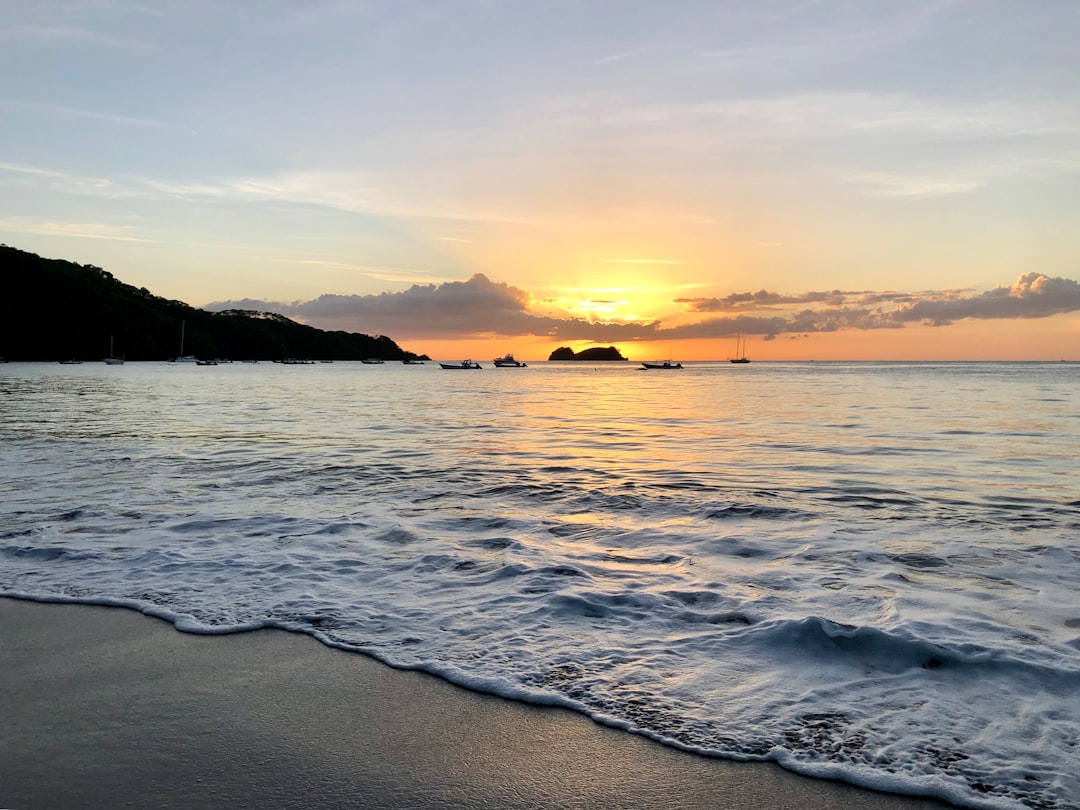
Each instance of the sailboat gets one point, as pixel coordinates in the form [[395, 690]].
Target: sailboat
[[740, 354], [183, 358], [113, 359]]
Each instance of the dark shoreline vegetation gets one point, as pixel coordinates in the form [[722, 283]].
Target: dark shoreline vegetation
[[55, 309]]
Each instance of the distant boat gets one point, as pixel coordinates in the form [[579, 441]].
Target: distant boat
[[113, 359], [72, 362], [184, 358], [294, 361], [740, 354], [462, 365], [662, 364], [508, 361], [206, 362], [413, 362], [372, 361]]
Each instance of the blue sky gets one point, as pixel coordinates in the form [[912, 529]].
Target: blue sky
[[611, 170]]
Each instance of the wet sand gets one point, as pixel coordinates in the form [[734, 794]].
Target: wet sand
[[106, 707]]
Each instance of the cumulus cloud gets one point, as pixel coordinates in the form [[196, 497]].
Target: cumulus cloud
[[455, 309], [480, 307]]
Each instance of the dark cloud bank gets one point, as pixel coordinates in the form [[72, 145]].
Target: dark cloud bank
[[480, 307]]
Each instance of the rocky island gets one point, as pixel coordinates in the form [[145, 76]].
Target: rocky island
[[595, 353]]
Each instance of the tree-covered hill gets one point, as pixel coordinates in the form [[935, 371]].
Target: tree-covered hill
[[53, 309]]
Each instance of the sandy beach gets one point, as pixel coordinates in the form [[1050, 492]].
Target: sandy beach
[[106, 707]]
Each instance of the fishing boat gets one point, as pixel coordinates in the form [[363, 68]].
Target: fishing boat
[[462, 365], [661, 364], [413, 362], [508, 361], [740, 354], [372, 361]]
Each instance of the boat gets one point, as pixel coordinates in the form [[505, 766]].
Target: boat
[[462, 365], [740, 354], [184, 358], [71, 362], [372, 361], [113, 359], [413, 362], [508, 361], [206, 362], [661, 364]]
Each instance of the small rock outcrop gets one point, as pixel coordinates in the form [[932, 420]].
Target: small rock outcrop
[[593, 354]]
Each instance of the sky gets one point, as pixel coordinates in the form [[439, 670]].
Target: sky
[[828, 179]]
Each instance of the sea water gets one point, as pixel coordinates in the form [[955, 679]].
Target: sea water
[[864, 571]]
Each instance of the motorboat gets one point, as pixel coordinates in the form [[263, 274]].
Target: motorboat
[[508, 361], [661, 364], [462, 365]]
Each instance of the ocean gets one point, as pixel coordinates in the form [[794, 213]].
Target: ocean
[[863, 571]]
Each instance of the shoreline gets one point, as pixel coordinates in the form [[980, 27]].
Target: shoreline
[[107, 706]]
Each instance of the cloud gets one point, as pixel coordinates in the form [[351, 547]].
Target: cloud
[[762, 299], [451, 309], [81, 230], [480, 307], [1033, 295], [74, 112]]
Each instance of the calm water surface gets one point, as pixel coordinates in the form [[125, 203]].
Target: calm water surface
[[862, 571]]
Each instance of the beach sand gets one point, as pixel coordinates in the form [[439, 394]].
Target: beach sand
[[106, 707]]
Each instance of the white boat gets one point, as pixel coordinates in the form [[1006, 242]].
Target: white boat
[[372, 361], [740, 354], [72, 362], [462, 365], [661, 364], [508, 361]]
